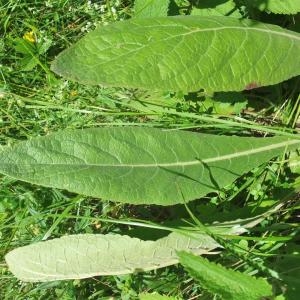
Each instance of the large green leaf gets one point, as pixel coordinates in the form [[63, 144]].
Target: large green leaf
[[287, 7], [81, 256], [183, 54], [87, 255], [229, 284], [138, 165], [151, 8]]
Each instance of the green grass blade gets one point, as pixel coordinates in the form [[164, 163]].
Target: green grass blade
[[229, 284]]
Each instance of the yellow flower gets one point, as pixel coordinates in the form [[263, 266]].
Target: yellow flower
[[73, 93], [29, 36], [97, 224]]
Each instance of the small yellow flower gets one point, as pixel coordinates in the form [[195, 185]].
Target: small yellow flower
[[35, 229], [29, 36], [73, 93], [97, 225]]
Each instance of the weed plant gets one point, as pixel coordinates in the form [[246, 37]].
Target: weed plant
[[34, 102]]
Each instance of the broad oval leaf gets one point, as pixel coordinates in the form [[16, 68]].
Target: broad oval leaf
[[87, 255], [138, 165], [229, 284], [183, 54]]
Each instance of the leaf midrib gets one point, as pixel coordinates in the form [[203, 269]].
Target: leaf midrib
[[195, 31], [292, 36], [284, 144]]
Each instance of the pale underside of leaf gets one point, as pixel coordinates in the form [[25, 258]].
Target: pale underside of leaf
[[81, 256], [138, 165], [87, 255], [183, 54]]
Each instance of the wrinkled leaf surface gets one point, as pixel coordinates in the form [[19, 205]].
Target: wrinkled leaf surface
[[183, 53], [87, 255], [138, 165]]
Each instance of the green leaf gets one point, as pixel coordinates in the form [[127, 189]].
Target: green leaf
[[224, 103], [28, 62], [87, 255], [151, 8], [287, 7], [294, 162], [288, 267], [231, 285], [81, 256], [155, 296], [138, 165], [24, 47], [183, 54], [215, 8]]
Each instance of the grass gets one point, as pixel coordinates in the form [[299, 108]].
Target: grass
[[34, 102]]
